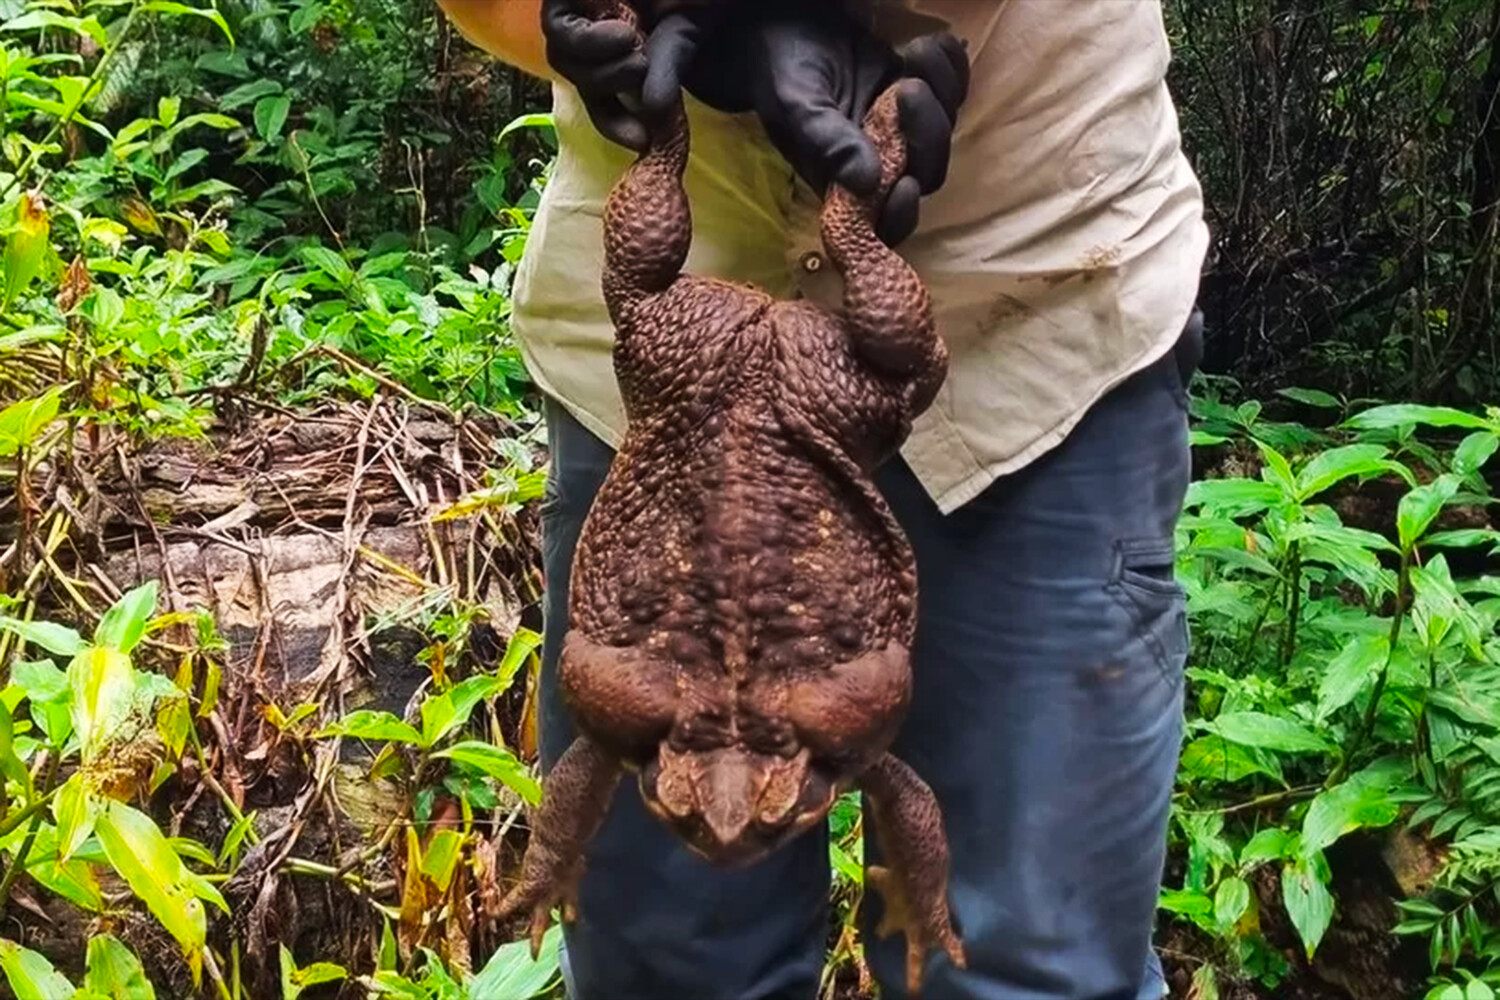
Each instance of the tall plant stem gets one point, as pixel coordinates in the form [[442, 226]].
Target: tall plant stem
[[1367, 723]]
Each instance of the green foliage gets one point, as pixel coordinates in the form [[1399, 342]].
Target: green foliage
[[510, 972], [1343, 675], [177, 278]]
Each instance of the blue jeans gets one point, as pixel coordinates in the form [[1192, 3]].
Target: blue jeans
[[1046, 716]]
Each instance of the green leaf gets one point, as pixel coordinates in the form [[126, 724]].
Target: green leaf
[[1308, 902], [320, 972], [1349, 671], [1337, 464], [270, 115], [53, 638], [367, 725], [438, 715], [124, 624], [12, 768], [40, 680], [1186, 902], [1462, 538], [1311, 397], [31, 976], [499, 764], [209, 14], [1256, 729], [295, 980], [523, 642], [535, 120], [1231, 900], [167, 110], [138, 850], [248, 93], [104, 308], [305, 17], [1421, 505], [1277, 471], [34, 19], [389, 954], [1474, 451], [115, 972], [1362, 801], [512, 973], [72, 880], [1270, 844], [1399, 415], [1216, 759], [327, 261], [1339, 535], [22, 423], [1233, 497], [468, 694], [235, 837]]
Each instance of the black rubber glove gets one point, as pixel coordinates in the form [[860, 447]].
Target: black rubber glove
[[602, 60], [811, 73]]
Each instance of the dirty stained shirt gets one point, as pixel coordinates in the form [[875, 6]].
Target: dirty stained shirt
[[1062, 254]]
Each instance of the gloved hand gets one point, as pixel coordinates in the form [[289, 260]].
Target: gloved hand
[[811, 73], [602, 59]]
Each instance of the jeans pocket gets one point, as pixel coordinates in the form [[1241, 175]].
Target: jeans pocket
[[1144, 583]]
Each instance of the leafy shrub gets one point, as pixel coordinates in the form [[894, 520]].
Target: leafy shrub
[[1343, 678]]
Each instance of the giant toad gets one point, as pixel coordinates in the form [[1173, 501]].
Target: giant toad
[[743, 602]]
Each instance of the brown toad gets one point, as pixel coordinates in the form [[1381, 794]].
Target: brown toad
[[743, 601]]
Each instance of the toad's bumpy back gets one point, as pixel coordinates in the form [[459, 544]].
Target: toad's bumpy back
[[743, 603]]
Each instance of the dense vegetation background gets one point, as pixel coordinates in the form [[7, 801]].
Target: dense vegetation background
[[255, 290]]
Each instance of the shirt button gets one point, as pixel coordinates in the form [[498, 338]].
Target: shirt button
[[812, 262]]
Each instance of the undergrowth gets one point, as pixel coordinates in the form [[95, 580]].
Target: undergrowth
[[188, 225]]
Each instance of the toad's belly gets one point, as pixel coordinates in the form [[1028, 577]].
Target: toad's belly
[[739, 551]]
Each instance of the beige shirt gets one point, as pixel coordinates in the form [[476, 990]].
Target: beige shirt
[[1063, 253]]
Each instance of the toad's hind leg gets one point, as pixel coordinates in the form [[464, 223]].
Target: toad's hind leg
[[887, 309], [914, 882], [575, 795], [648, 228]]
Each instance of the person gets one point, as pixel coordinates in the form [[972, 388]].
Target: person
[[1053, 214]]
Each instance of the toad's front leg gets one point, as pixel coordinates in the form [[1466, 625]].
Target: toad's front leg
[[914, 882], [575, 795]]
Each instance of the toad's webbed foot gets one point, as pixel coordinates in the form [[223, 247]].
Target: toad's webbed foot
[[574, 798], [914, 882]]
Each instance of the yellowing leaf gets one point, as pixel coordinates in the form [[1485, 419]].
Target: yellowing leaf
[[25, 247], [138, 850], [441, 857], [76, 811], [140, 216], [103, 683]]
